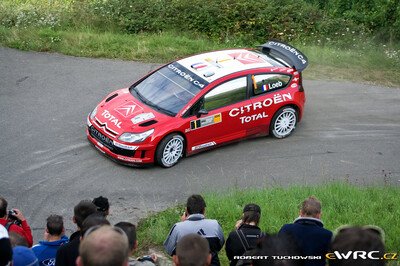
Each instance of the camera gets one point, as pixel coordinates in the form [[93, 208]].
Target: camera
[[12, 218], [146, 258], [11, 215]]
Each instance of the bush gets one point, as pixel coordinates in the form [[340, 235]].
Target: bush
[[220, 19], [343, 22], [49, 14]]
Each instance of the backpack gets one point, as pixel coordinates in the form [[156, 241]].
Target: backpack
[[7, 226], [243, 239]]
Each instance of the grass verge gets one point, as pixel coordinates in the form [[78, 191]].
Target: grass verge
[[343, 204], [376, 65], [157, 48]]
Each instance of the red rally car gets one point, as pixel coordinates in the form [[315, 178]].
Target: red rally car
[[200, 102]]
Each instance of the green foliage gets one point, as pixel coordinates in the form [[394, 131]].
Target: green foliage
[[220, 19], [34, 13], [378, 18], [338, 22], [86, 42], [342, 38], [365, 62]]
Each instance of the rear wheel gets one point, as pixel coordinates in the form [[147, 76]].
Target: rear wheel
[[284, 122], [170, 150]]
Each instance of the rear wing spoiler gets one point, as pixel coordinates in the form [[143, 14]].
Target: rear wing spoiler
[[286, 52]]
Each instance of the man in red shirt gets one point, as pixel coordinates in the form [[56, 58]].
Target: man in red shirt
[[23, 229]]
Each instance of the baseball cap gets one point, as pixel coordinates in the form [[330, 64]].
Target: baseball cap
[[252, 208], [23, 256]]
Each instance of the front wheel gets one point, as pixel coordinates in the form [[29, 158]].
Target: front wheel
[[170, 150], [284, 122]]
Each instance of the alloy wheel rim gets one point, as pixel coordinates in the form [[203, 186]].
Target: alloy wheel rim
[[285, 123], [172, 151]]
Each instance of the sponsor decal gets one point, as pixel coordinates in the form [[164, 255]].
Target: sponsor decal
[[277, 98], [216, 63], [205, 121], [291, 50], [294, 85], [184, 73], [204, 145], [128, 109], [275, 85], [142, 117], [128, 159], [209, 74], [247, 119], [107, 115], [187, 108], [107, 130], [124, 146], [98, 148], [99, 136], [198, 66], [49, 262], [100, 145], [247, 58]]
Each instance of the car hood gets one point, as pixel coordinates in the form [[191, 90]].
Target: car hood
[[120, 112]]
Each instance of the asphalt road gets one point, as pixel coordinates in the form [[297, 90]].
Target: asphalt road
[[349, 132]]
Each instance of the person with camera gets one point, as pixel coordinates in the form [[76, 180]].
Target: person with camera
[[130, 231], [194, 221], [246, 233], [14, 221]]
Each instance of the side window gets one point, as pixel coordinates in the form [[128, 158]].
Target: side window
[[230, 92], [268, 82]]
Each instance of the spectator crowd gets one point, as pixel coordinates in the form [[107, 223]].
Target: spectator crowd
[[193, 241]]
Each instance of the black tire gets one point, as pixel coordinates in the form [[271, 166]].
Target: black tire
[[283, 122], [170, 150]]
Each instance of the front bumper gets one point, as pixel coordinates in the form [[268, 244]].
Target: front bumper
[[137, 154]]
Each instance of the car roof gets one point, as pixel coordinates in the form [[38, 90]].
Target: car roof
[[214, 65]]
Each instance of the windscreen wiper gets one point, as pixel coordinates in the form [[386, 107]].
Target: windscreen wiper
[[147, 102]]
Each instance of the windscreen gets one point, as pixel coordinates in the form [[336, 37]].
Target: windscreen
[[169, 89]]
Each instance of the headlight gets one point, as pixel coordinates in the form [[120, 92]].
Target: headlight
[[93, 113], [135, 137]]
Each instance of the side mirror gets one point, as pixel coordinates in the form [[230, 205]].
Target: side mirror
[[202, 112]]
